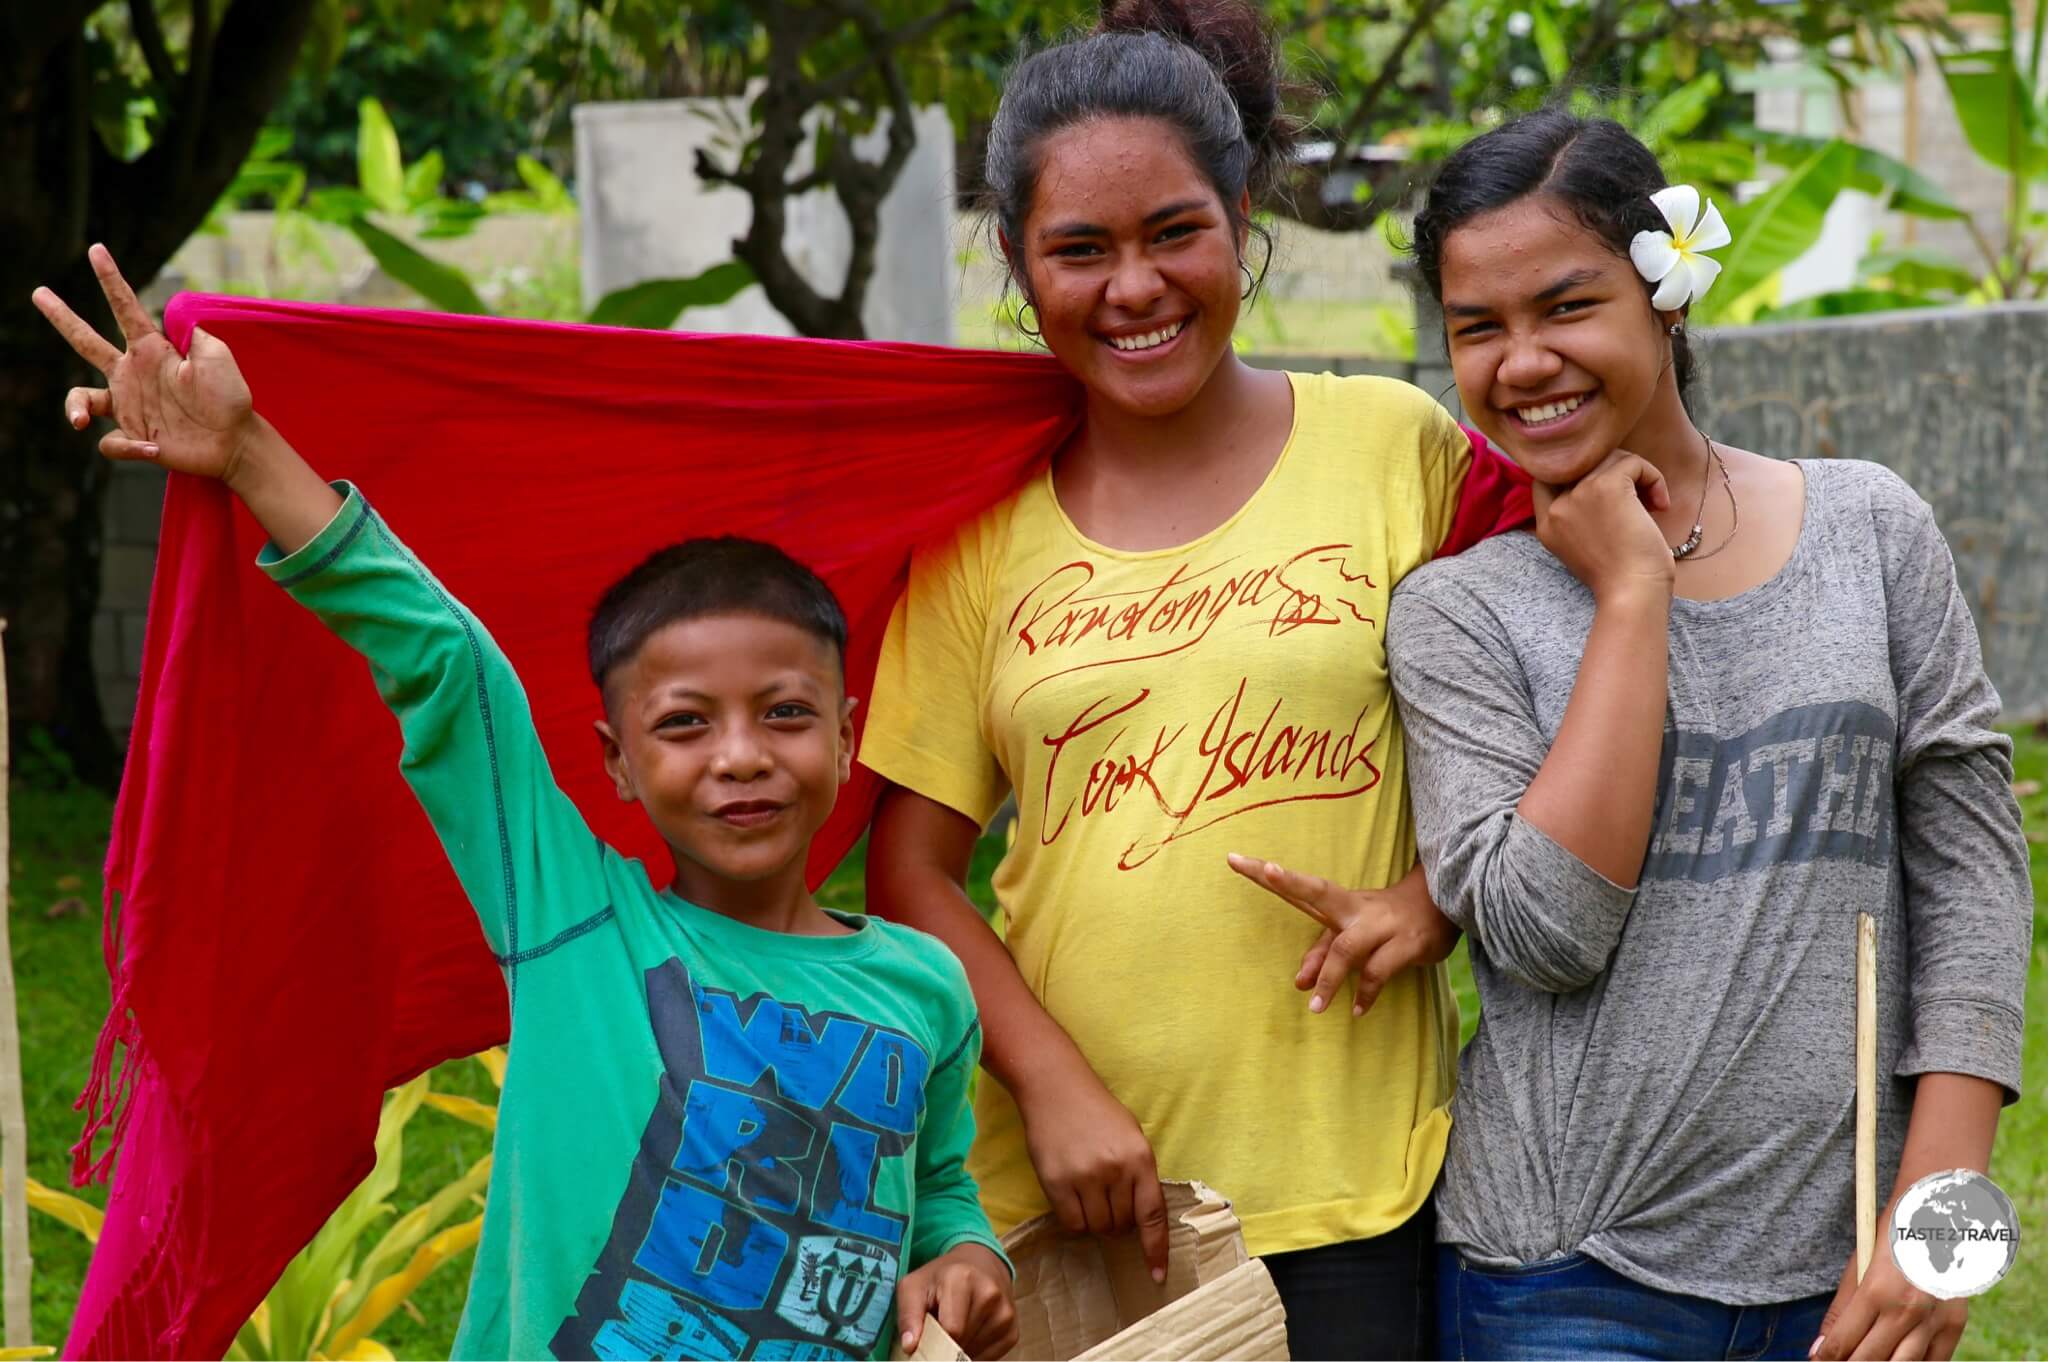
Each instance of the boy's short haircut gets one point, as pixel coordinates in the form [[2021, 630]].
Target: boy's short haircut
[[722, 575]]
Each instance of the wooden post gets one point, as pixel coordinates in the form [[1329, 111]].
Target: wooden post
[[1866, 1091], [14, 1259]]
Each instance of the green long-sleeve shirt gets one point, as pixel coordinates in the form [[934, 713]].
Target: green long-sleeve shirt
[[714, 1140]]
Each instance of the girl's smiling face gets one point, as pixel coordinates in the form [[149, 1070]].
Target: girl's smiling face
[[1131, 263], [1558, 354]]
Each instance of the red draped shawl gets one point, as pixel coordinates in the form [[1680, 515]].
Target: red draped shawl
[[290, 941]]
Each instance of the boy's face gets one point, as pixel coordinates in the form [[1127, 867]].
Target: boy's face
[[734, 732]]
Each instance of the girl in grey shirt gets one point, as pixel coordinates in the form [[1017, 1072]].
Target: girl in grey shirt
[[1662, 752]]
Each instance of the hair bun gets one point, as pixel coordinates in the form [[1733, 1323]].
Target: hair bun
[[1233, 37]]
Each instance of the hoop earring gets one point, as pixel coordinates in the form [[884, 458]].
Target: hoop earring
[[1031, 330], [1249, 282]]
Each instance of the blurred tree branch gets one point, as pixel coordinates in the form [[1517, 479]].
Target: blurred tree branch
[[824, 104]]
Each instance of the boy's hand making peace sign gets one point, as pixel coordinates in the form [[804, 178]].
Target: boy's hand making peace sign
[[190, 413]]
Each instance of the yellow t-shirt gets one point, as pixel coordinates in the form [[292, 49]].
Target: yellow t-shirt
[[1153, 711]]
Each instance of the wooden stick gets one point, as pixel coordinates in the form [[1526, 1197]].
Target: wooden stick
[[1866, 1091], [14, 1259]]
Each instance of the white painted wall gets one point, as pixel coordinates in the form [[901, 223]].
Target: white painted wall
[[647, 216]]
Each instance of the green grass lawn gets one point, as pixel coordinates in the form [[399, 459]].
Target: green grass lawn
[[2012, 1321], [61, 998], [59, 839]]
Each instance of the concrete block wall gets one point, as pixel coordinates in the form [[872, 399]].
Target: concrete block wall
[[135, 499], [1954, 400], [505, 255]]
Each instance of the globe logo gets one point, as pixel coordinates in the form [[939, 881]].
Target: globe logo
[[1954, 1234]]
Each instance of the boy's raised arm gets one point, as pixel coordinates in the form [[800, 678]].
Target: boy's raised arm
[[521, 849]]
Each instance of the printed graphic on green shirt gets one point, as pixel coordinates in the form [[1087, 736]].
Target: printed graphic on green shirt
[[767, 1211]]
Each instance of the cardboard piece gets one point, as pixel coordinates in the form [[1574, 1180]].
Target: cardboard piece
[[935, 1345], [1083, 1299]]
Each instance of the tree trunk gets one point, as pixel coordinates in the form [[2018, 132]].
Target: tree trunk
[[52, 489], [60, 191]]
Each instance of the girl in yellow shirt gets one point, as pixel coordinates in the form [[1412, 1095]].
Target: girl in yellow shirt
[[1168, 647]]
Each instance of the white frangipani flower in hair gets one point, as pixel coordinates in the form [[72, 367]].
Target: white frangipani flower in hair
[[1675, 261]]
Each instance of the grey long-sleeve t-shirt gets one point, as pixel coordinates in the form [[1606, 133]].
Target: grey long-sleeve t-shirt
[[1664, 1078]]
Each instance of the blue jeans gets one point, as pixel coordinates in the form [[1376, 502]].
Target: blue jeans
[[1574, 1307]]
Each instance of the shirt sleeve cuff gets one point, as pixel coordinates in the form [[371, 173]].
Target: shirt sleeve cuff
[[319, 552], [1545, 916], [1964, 1036], [1559, 871], [987, 1241]]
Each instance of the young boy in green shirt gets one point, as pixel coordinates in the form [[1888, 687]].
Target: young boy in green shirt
[[734, 1124]]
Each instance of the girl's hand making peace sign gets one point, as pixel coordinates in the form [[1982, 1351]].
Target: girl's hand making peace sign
[[1373, 934]]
